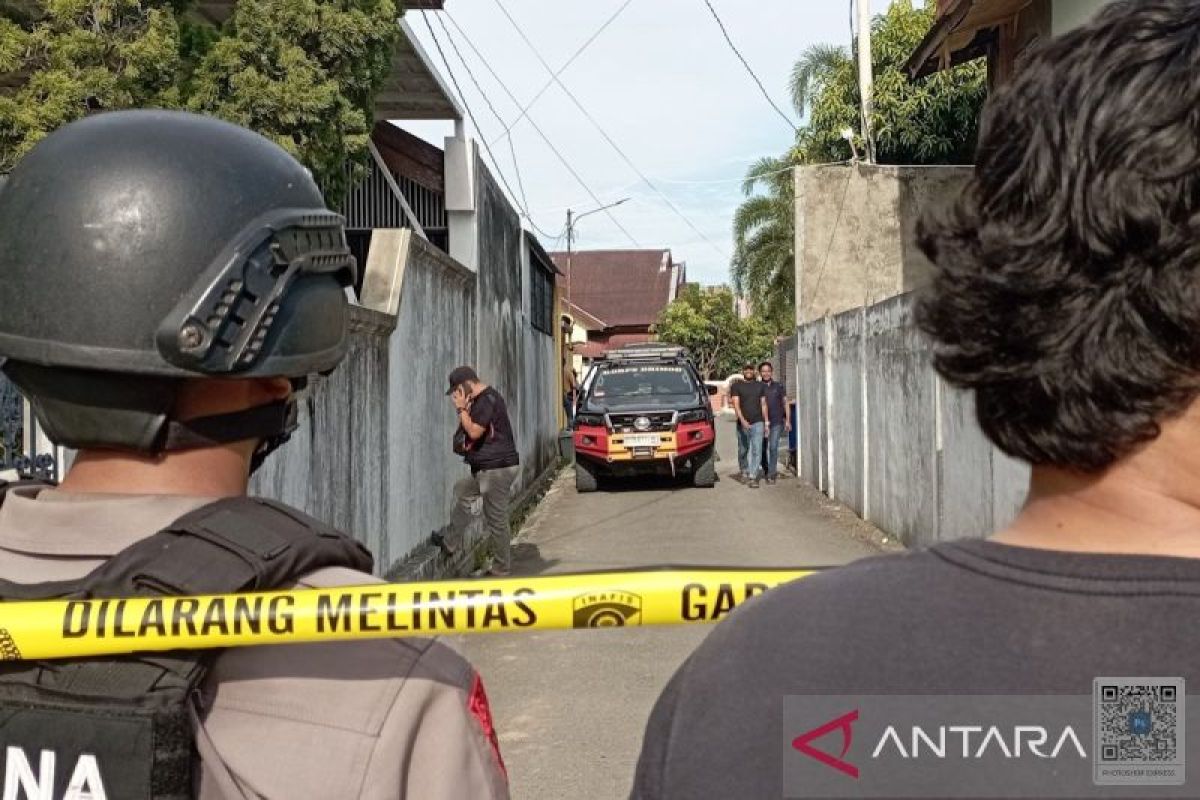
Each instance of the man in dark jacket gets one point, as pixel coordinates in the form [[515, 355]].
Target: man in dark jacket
[[491, 452], [1066, 297]]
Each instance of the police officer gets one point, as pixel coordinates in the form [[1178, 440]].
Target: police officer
[[166, 282]]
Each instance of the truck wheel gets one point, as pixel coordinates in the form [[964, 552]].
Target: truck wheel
[[705, 473], [586, 479]]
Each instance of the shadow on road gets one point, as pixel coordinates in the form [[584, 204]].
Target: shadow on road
[[527, 559]]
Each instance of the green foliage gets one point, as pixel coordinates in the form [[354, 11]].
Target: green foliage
[[764, 261], [80, 56], [930, 121], [705, 321], [302, 72]]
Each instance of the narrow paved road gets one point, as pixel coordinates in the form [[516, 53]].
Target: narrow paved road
[[570, 706]]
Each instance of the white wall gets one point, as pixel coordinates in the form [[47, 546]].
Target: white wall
[[881, 433]]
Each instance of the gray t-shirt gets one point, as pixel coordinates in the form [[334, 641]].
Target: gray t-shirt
[[965, 617]]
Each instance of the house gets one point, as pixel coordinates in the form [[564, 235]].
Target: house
[[614, 297], [1002, 31]]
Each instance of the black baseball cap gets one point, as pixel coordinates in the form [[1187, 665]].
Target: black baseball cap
[[459, 376]]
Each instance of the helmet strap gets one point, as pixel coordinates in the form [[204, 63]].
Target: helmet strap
[[271, 423]]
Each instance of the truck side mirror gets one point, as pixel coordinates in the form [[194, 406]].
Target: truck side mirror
[[712, 389]]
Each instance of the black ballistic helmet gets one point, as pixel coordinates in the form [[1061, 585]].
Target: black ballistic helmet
[[140, 248]]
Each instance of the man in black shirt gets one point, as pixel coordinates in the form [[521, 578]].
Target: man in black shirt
[[1066, 296], [491, 452], [750, 405], [779, 418]]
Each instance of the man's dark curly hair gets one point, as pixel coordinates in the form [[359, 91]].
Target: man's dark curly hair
[[1067, 285]]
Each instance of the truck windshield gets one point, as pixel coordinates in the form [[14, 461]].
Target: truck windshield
[[651, 385]]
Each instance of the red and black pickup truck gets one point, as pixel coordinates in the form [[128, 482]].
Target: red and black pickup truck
[[644, 411]]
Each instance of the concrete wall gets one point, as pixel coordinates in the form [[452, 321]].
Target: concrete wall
[[372, 455], [883, 434], [518, 360], [854, 226]]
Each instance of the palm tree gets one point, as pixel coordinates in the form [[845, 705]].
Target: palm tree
[[764, 263], [816, 68], [931, 121]]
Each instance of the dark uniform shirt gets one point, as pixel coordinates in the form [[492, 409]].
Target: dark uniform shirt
[[776, 402], [497, 448], [968, 617], [750, 393]]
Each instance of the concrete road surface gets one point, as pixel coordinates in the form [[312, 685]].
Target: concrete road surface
[[570, 706]]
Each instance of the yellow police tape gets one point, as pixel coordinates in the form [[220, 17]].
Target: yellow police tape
[[74, 628]]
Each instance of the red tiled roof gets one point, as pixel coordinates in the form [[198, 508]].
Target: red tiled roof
[[621, 287]]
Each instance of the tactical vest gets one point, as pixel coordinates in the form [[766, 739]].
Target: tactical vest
[[122, 727]]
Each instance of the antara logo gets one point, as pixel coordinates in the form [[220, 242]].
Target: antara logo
[[845, 724], [21, 783], [945, 741], [956, 739]]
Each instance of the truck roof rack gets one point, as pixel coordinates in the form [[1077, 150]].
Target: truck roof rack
[[647, 352]]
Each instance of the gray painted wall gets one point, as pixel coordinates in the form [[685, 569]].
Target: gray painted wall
[[372, 455], [883, 434], [854, 232], [518, 360]]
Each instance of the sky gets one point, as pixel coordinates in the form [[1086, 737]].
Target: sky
[[661, 82]]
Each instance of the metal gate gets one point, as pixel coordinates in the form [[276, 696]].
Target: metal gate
[[23, 449]]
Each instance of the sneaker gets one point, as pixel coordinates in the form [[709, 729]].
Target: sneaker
[[770, 481], [754, 483]]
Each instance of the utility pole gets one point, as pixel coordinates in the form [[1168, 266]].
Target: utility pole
[[866, 79], [570, 233], [571, 220]]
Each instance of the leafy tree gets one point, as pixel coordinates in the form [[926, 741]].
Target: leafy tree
[[931, 121], [705, 321], [79, 56], [302, 72]]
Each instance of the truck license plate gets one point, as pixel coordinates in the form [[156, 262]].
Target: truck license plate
[[643, 440]]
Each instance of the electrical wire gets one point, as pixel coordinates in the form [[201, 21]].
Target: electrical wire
[[746, 64], [525, 108], [600, 129], [511, 148], [463, 98], [562, 159]]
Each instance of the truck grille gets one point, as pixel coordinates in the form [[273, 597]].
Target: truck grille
[[660, 421]]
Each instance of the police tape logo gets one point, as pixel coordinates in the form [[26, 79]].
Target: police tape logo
[[8, 648], [608, 609]]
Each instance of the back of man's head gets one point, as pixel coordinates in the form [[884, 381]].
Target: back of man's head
[[1067, 284]]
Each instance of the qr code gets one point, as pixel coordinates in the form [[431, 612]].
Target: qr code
[[1138, 723]]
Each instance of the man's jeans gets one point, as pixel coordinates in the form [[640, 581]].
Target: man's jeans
[[771, 456], [495, 487], [750, 443]]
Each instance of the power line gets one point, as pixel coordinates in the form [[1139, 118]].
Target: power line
[[746, 64], [562, 69], [511, 148], [600, 129], [562, 159], [463, 97]]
